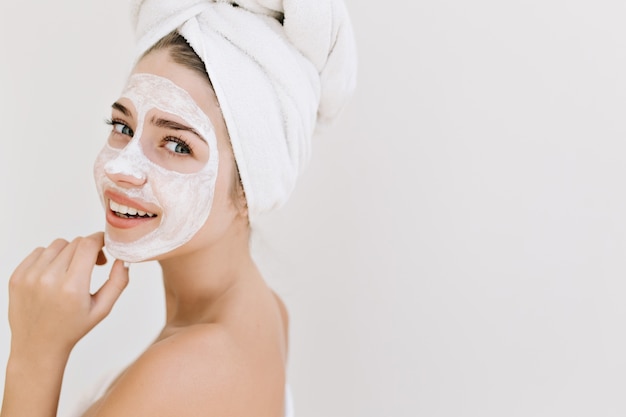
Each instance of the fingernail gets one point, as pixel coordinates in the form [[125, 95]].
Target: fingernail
[[126, 264]]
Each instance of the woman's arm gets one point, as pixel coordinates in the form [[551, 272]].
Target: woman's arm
[[50, 310], [32, 385]]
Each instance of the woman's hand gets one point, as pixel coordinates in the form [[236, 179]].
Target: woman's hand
[[50, 304], [50, 309]]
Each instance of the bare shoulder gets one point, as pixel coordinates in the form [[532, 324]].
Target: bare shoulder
[[197, 371]]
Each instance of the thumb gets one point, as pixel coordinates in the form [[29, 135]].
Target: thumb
[[104, 299]]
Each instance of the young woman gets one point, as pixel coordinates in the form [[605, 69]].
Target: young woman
[[210, 131]]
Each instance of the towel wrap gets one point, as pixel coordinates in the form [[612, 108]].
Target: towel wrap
[[280, 69]]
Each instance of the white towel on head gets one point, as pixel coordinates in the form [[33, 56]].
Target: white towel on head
[[279, 68]]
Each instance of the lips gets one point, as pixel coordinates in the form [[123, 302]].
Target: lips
[[125, 213]]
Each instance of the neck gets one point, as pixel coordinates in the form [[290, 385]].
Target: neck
[[196, 281]]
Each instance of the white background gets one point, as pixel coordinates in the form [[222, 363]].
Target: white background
[[457, 245]]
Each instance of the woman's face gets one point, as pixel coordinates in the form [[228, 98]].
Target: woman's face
[[167, 163]]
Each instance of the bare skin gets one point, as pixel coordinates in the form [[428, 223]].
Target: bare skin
[[223, 348]]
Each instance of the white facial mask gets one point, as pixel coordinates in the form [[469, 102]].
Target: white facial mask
[[184, 199]]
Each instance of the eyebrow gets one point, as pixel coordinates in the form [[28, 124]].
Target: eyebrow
[[164, 123], [170, 124], [120, 107]]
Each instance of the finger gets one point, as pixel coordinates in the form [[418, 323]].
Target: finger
[[63, 260], [61, 263], [84, 259], [27, 263], [104, 299], [99, 236], [66, 256], [49, 254]]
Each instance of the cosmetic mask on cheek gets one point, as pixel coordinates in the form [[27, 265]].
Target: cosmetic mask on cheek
[[184, 199]]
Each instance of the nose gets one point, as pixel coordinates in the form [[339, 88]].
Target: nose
[[128, 169], [126, 180]]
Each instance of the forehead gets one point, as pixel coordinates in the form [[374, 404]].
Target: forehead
[[149, 91], [161, 63]]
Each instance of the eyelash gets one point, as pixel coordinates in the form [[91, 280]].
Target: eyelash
[[181, 142], [113, 122], [165, 141]]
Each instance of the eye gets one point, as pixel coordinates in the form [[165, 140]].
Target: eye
[[121, 128], [177, 146]]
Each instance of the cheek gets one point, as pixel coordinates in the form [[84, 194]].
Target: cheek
[[223, 211]]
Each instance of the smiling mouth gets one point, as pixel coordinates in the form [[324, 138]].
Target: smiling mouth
[[126, 212]]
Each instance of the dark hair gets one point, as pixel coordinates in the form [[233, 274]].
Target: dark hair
[[182, 53]]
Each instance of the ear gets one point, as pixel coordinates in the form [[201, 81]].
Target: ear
[[238, 194], [240, 199]]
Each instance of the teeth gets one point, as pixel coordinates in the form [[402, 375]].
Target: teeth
[[125, 211]]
